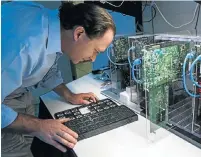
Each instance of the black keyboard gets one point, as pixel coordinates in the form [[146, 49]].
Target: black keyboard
[[96, 118]]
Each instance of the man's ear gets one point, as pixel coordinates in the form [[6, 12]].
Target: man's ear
[[78, 32]]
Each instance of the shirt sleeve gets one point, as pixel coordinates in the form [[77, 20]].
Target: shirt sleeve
[[11, 79], [8, 115], [15, 60], [53, 78]]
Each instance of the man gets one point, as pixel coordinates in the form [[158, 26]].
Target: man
[[33, 38]]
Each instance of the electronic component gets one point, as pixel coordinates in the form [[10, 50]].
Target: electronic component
[[159, 68], [119, 67]]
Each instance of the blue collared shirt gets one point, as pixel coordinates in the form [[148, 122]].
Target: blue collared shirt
[[30, 48]]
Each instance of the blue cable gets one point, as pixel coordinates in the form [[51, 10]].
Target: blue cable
[[192, 71], [129, 61], [138, 62], [188, 56], [135, 63]]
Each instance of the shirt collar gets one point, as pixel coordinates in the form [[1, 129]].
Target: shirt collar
[[54, 34]]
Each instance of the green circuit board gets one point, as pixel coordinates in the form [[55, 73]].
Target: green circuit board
[[161, 88], [158, 101], [120, 74], [161, 66], [120, 47]]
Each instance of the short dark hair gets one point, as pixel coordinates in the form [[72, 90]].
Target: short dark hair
[[95, 20]]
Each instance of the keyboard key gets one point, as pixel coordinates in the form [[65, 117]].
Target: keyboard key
[[74, 110], [76, 113], [67, 112], [71, 118], [60, 114], [79, 116], [106, 107]]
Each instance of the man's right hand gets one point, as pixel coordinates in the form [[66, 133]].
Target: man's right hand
[[55, 133]]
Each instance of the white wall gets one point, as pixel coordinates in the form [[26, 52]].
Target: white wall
[[176, 12]]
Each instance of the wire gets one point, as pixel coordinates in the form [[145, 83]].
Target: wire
[[187, 31], [135, 63], [140, 26], [182, 24], [192, 71], [188, 56], [197, 20], [108, 55], [152, 20], [144, 6], [153, 16], [115, 5], [129, 61]]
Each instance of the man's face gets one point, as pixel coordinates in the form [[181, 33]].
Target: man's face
[[84, 49]]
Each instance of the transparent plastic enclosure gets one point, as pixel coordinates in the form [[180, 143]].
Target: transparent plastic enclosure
[[166, 81], [159, 77], [119, 67]]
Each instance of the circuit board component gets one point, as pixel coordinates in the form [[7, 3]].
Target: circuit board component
[[161, 67], [120, 49]]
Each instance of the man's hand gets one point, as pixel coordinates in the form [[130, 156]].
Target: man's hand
[[55, 133], [50, 131], [82, 98], [77, 99]]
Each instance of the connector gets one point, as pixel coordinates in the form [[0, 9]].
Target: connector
[[136, 62]]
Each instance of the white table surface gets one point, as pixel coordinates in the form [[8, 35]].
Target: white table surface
[[126, 141]]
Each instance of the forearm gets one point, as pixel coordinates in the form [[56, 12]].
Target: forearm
[[63, 91], [24, 124]]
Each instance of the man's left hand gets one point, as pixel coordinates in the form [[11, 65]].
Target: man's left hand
[[83, 98]]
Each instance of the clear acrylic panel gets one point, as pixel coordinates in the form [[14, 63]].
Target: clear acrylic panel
[[119, 67], [159, 83]]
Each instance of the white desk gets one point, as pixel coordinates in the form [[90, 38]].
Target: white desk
[[125, 141]]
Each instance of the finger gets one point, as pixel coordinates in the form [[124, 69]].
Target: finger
[[69, 131], [63, 141], [89, 96], [85, 102], [63, 120], [94, 97], [58, 146], [67, 137]]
